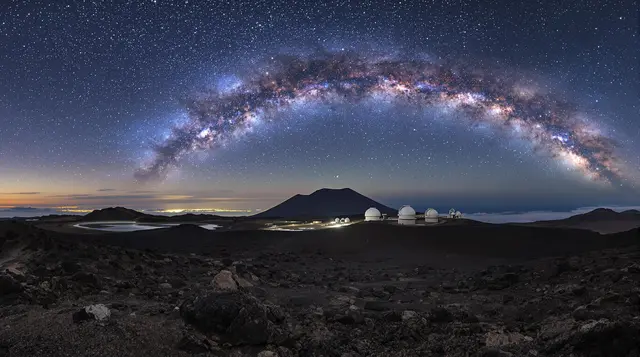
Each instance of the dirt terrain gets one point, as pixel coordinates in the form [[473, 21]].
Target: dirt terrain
[[366, 290]]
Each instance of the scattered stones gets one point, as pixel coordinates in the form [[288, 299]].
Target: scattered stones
[[499, 338], [286, 304]]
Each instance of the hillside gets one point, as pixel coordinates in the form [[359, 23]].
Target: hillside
[[126, 214], [113, 214], [402, 289], [325, 203], [602, 220]]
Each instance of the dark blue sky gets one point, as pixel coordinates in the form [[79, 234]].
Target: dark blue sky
[[88, 87]]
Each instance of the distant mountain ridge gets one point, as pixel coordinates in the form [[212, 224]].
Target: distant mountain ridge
[[114, 214], [325, 202], [603, 220], [126, 214]]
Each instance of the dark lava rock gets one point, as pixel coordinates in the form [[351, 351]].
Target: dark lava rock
[[579, 290], [378, 305], [392, 316], [494, 352], [238, 317], [9, 285], [86, 278], [440, 315], [81, 315], [350, 318], [227, 262], [563, 266], [601, 338], [195, 343], [70, 266]]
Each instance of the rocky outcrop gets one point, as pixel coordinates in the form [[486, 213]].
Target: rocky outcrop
[[236, 317]]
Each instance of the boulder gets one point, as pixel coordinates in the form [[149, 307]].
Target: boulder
[[97, 312], [237, 317], [408, 315], [165, 286], [223, 281]]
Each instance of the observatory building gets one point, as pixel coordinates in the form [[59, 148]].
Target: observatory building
[[372, 214], [454, 214], [431, 216], [407, 215]]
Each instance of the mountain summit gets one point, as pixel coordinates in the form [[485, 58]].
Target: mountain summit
[[325, 202]]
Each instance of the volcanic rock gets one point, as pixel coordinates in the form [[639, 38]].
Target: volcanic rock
[[9, 285], [238, 317], [97, 312], [194, 343], [223, 281]]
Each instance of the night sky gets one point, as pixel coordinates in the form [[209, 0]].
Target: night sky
[[236, 105]]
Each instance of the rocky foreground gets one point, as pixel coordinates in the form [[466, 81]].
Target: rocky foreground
[[68, 298]]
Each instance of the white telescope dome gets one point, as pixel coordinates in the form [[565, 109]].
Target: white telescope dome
[[407, 212], [372, 214], [407, 215], [431, 216]]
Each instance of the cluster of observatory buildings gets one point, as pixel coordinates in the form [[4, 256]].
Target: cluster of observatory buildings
[[407, 216]]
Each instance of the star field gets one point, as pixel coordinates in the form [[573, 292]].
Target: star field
[[92, 91]]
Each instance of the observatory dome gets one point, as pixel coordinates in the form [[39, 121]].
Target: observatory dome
[[407, 212], [372, 214], [431, 216]]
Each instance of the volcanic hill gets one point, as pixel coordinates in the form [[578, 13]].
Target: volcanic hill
[[325, 202], [602, 220]]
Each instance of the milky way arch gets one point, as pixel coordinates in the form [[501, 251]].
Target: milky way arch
[[548, 123]]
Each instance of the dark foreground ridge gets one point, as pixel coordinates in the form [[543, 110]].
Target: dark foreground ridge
[[365, 290]]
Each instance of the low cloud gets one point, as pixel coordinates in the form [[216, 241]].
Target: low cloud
[[105, 197], [106, 190], [23, 193], [24, 209]]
